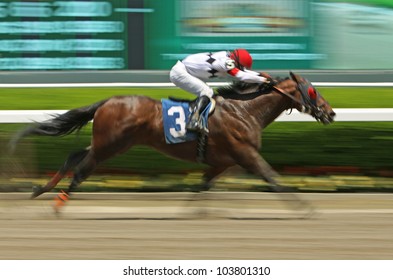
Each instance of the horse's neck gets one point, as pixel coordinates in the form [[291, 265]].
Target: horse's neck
[[268, 107]]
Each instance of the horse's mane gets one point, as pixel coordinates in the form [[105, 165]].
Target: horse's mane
[[245, 91]]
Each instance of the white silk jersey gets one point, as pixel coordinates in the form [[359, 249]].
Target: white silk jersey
[[206, 66]]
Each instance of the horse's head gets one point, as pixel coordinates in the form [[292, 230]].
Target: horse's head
[[310, 101]]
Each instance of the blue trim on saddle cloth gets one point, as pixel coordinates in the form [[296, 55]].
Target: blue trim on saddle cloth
[[175, 115]]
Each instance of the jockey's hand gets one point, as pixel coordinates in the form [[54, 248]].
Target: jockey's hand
[[270, 82], [264, 74]]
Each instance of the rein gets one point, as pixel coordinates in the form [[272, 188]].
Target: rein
[[308, 105], [304, 107]]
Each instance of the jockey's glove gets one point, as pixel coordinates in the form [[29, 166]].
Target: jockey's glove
[[270, 82]]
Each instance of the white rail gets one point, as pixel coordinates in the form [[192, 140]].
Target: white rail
[[343, 115], [152, 85]]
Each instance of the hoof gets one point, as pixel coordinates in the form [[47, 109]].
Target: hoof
[[37, 190], [57, 209], [60, 201]]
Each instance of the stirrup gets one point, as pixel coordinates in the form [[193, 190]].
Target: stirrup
[[192, 124], [197, 126]]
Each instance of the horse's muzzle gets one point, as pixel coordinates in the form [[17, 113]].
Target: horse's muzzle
[[326, 117]]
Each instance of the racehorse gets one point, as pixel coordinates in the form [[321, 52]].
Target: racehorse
[[240, 115]]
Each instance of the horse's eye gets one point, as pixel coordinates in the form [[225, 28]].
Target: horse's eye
[[312, 93]]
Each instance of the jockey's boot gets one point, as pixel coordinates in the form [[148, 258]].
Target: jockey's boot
[[195, 122]]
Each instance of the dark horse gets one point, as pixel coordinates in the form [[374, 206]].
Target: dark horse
[[236, 126]]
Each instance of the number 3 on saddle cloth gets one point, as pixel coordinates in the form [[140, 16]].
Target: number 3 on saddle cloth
[[175, 115]]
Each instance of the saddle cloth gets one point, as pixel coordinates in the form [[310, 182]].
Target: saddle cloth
[[175, 115]]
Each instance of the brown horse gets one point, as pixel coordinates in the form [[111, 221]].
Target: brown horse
[[235, 128]]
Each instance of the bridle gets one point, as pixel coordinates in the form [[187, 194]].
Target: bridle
[[310, 97], [308, 101]]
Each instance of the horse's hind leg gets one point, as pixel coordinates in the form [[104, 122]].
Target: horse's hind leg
[[82, 171], [72, 160]]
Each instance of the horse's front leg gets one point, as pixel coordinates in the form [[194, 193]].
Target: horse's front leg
[[210, 175], [199, 196], [252, 161]]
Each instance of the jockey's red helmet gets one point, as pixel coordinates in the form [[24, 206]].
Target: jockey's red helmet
[[242, 58]]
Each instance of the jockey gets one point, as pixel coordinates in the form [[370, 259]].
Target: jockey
[[191, 73]]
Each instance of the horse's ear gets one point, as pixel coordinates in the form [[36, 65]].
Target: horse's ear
[[293, 76]]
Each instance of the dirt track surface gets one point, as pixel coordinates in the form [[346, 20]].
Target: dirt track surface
[[219, 226]]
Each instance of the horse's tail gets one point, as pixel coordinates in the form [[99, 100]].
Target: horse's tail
[[60, 125]]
